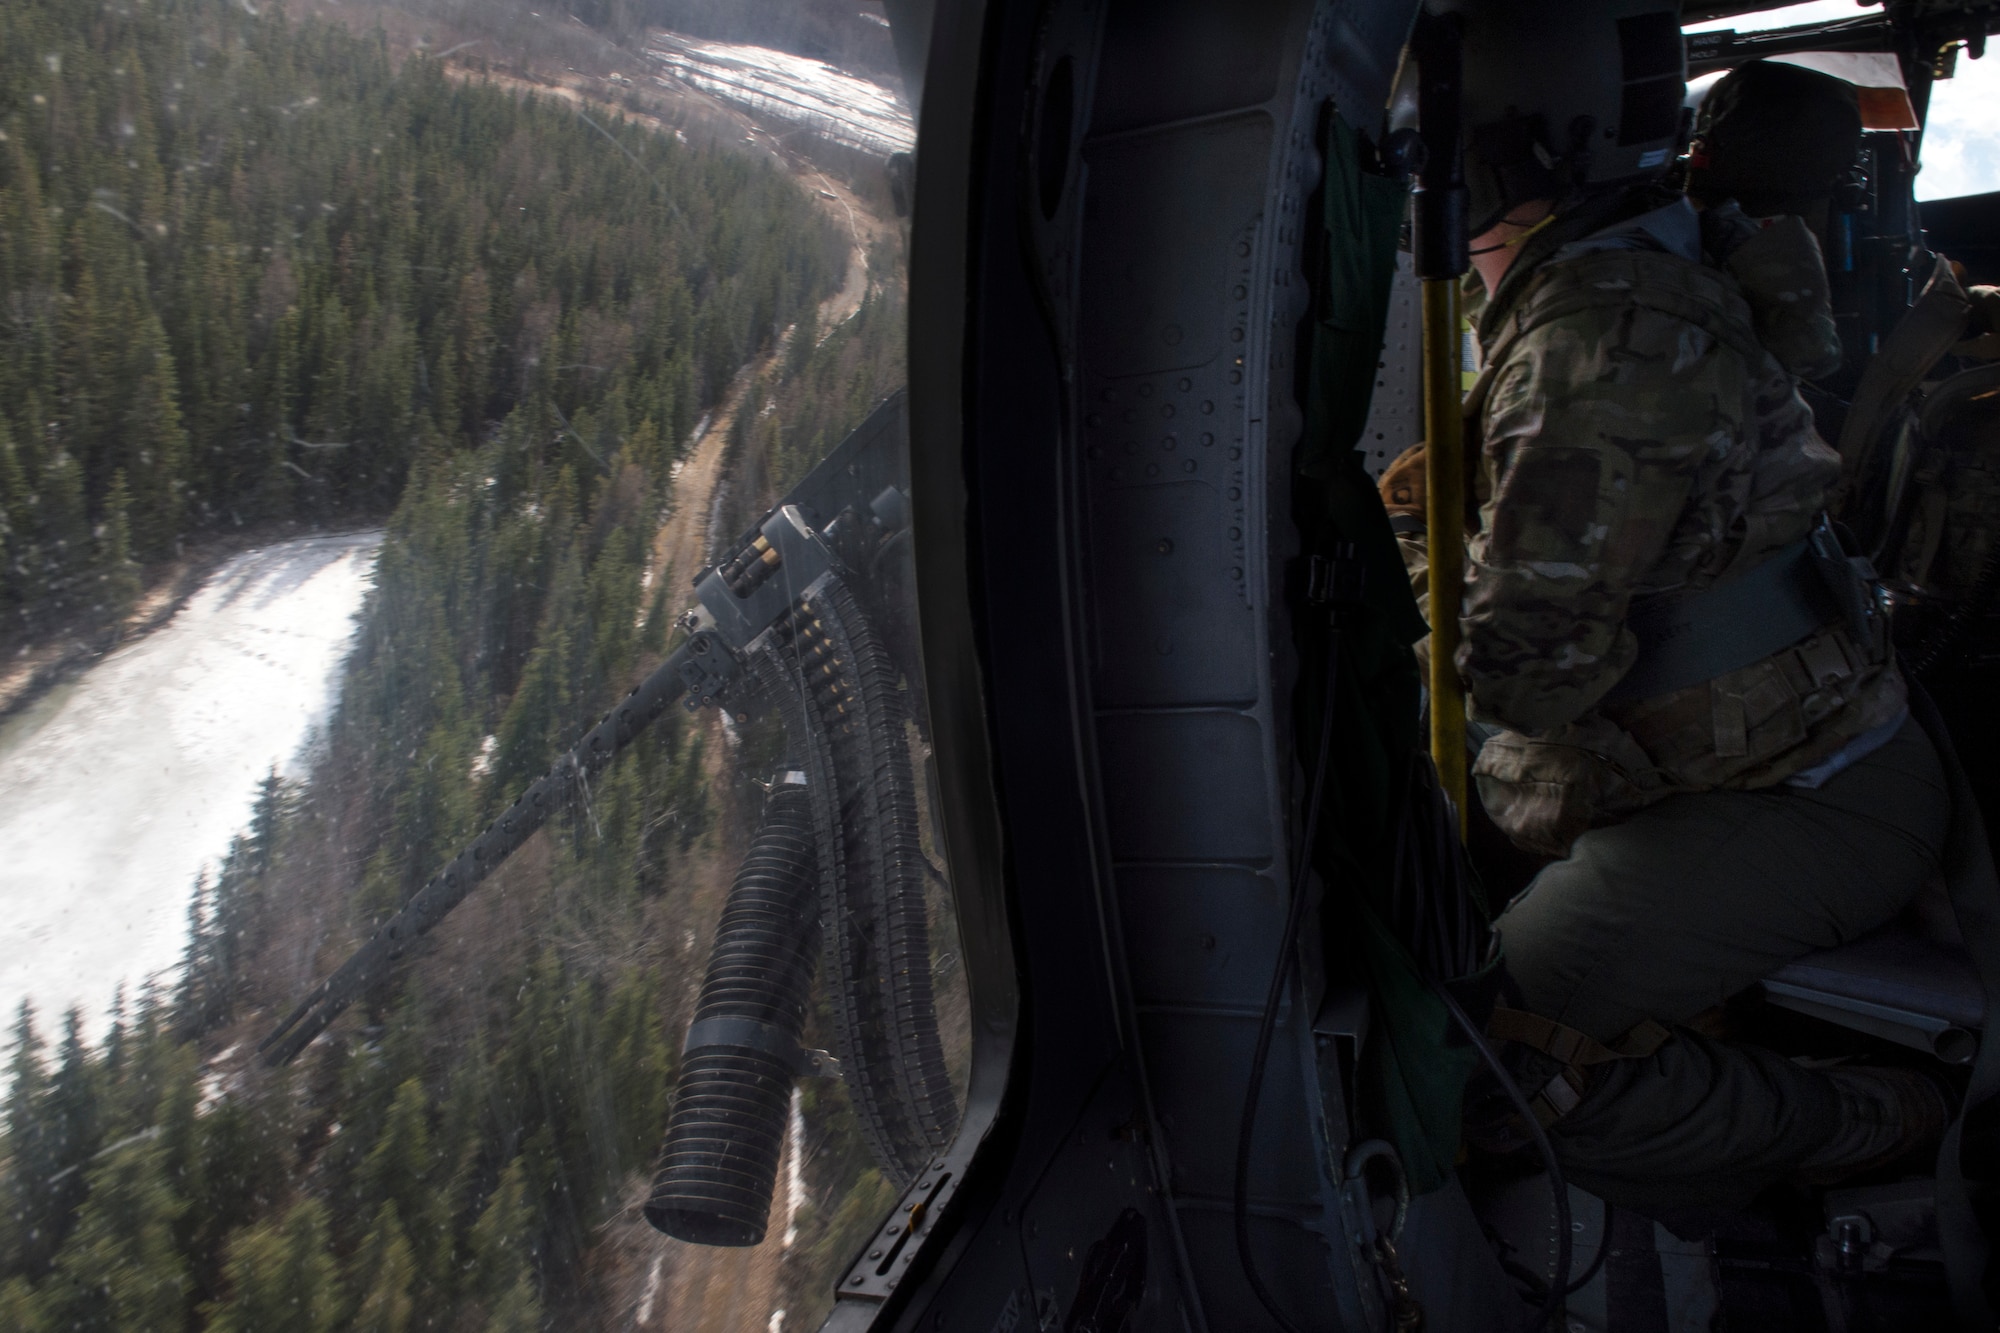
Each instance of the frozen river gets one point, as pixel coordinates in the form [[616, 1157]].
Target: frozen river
[[119, 787]]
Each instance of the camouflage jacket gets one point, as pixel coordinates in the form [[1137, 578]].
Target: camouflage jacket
[[1634, 436]]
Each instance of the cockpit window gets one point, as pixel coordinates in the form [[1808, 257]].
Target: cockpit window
[[464, 752], [1961, 153]]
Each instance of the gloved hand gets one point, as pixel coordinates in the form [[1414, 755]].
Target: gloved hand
[[1402, 484], [1982, 328], [1403, 494]]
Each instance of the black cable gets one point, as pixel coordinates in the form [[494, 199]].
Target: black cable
[[1560, 1288], [1537, 1287], [1280, 973], [1603, 1251]]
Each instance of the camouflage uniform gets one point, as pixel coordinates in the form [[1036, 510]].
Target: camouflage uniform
[[1636, 435]]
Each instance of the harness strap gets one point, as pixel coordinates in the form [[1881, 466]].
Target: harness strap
[[1571, 1046], [1923, 335], [1578, 1051]]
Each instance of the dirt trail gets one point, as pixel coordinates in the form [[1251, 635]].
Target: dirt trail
[[864, 229], [681, 546]]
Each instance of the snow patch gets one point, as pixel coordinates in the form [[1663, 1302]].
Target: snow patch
[[797, 89], [795, 1171], [645, 1314], [116, 790], [482, 763]]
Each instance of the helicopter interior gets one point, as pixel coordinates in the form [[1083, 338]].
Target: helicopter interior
[[1112, 271]]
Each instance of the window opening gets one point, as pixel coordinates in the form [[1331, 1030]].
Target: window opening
[[377, 391]]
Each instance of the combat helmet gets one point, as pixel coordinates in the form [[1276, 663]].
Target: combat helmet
[[1565, 97], [1776, 138]]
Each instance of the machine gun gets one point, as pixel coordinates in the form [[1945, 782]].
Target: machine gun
[[807, 613]]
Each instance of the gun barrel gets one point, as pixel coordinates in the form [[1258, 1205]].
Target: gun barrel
[[446, 889]]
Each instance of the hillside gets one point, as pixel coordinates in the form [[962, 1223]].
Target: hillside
[[254, 272], [539, 344]]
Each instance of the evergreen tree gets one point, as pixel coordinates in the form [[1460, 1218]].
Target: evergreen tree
[[18, 553], [402, 1170], [501, 1244], [178, 1099], [118, 576], [31, 1215], [242, 1147], [639, 1067], [281, 1276], [266, 816], [70, 1125], [191, 997], [151, 442], [519, 1309], [66, 554], [111, 1065], [20, 1307], [385, 1273], [121, 1268]]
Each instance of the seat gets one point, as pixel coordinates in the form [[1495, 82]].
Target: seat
[[1903, 983]]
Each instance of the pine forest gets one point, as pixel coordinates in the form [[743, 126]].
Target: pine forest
[[261, 274]]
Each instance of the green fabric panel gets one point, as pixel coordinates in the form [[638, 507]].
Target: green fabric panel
[[1412, 1072], [1415, 1064], [1362, 217]]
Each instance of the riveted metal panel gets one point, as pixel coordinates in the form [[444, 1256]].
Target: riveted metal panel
[[1172, 288], [1168, 60], [1199, 1064], [1183, 787], [1173, 623], [1199, 936]]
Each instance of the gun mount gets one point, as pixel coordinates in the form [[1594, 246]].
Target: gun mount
[[806, 613]]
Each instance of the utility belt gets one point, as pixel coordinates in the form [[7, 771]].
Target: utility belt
[[1686, 638]]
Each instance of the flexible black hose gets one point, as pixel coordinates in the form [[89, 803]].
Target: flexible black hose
[[1449, 945], [1560, 1288], [719, 1164]]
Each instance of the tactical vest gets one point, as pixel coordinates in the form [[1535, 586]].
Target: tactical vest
[[1755, 724]]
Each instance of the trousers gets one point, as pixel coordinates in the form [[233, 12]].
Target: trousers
[[1685, 904]]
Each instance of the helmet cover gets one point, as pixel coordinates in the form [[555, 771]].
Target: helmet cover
[[1566, 96], [1774, 137]]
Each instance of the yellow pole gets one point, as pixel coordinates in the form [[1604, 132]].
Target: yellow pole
[[1444, 489]]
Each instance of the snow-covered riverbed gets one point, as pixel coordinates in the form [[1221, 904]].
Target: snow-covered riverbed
[[115, 790], [779, 86]]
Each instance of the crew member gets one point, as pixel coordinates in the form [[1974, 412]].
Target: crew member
[[1697, 709]]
